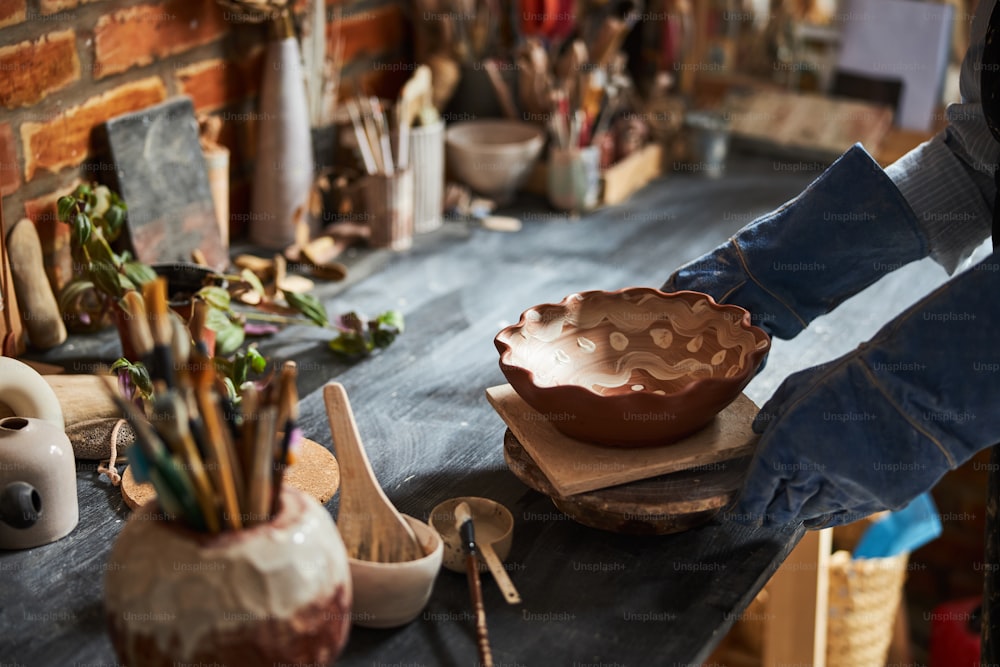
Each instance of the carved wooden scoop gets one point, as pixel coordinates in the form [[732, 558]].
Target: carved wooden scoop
[[370, 526]]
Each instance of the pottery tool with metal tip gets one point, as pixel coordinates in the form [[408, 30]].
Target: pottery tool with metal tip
[[466, 528]]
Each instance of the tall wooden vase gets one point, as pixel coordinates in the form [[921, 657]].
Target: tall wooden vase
[[284, 171]]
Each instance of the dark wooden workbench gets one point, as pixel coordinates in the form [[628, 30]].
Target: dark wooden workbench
[[589, 597]]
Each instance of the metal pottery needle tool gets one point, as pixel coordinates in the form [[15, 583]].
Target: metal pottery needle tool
[[467, 530]]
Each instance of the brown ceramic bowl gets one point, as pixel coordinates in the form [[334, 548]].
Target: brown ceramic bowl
[[631, 368]]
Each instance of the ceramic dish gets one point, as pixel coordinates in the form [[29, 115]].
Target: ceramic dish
[[387, 595], [493, 157], [494, 527], [634, 367]]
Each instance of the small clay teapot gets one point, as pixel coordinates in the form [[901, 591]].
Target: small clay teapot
[[38, 501]]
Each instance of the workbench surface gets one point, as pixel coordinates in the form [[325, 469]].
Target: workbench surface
[[590, 597]]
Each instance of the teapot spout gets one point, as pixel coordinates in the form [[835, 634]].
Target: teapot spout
[[20, 505]]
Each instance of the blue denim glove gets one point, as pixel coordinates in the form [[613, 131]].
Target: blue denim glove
[[849, 228], [875, 428]]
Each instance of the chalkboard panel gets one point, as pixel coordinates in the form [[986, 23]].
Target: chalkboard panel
[[159, 170]]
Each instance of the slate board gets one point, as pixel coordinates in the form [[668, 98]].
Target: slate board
[[159, 170]]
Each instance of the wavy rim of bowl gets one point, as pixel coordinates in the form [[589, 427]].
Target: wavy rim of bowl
[[757, 355]]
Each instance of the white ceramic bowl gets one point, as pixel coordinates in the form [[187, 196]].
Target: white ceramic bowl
[[493, 157], [387, 595]]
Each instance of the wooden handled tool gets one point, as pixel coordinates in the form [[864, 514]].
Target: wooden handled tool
[[370, 526], [467, 531], [495, 565], [39, 309]]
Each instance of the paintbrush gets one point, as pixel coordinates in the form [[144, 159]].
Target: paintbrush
[[172, 425], [199, 312], [174, 489], [138, 324], [368, 121], [162, 363], [364, 146], [467, 531], [180, 345], [250, 403], [382, 130], [219, 442], [288, 416], [261, 480]]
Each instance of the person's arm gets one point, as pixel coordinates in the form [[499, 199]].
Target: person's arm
[[875, 428], [948, 181], [849, 228]]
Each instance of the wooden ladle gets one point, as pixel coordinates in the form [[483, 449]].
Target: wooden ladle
[[370, 526]]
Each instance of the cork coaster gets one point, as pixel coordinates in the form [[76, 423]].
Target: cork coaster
[[316, 472]]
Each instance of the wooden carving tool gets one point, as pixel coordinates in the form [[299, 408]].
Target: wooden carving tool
[[495, 565], [371, 527], [39, 308], [467, 531], [415, 93], [500, 87]]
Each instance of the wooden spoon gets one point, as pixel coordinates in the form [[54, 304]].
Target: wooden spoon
[[370, 526]]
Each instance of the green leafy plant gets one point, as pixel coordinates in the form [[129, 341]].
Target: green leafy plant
[[134, 382], [222, 319], [96, 217], [359, 336], [234, 372]]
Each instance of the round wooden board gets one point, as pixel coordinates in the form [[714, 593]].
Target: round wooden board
[[315, 471], [656, 506]]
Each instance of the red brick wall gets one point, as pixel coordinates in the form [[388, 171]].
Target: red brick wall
[[66, 66]]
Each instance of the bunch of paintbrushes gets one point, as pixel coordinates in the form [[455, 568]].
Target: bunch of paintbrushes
[[215, 465], [373, 134], [581, 124]]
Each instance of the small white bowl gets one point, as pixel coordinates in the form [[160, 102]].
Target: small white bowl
[[387, 595], [493, 157]]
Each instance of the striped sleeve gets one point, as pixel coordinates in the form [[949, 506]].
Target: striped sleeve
[[948, 181]]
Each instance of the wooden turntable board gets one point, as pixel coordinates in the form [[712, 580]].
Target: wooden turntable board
[[572, 466]]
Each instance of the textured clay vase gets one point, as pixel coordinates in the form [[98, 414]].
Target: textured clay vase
[[631, 368], [283, 172], [274, 593]]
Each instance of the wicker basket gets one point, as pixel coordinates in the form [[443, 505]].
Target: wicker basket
[[864, 598]]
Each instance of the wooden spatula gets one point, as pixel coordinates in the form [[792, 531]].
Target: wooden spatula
[[370, 526]]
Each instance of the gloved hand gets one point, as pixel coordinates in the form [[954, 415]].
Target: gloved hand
[[845, 231], [875, 428]]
